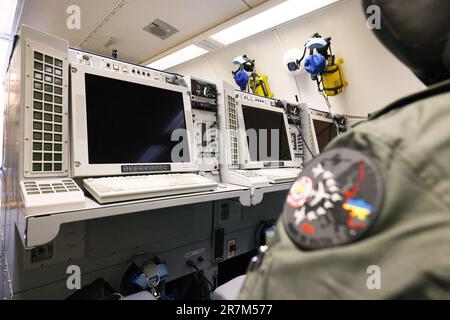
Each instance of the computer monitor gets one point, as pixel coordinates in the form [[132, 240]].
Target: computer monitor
[[264, 139], [123, 124], [324, 130]]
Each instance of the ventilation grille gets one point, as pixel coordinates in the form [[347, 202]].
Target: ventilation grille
[[47, 114], [33, 188], [209, 44], [233, 134], [161, 29]]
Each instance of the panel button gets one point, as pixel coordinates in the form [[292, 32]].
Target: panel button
[[38, 66], [38, 56], [37, 146], [37, 105], [48, 59], [47, 147], [37, 115], [48, 78], [48, 88], [37, 156], [58, 99], [48, 137], [37, 125], [37, 136], [58, 90], [48, 127], [48, 117], [58, 109], [37, 85], [48, 69], [48, 97], [37, 95]]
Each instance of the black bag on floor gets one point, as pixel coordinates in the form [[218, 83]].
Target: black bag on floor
[[97, 290]]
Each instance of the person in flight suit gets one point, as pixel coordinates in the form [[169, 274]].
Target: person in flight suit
[[370, 217]]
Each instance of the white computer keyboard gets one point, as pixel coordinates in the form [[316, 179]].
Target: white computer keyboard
[[279, 175], [113, 189]]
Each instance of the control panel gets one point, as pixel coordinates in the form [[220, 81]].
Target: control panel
[[117, 66], [245, 96], [204, 96], [46, 111]]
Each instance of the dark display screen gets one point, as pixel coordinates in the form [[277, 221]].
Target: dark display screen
[[132, 123], [325, 132], [259, 121]]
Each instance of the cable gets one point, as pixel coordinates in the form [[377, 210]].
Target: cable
[[327, 101], [191, 264], [209, 282]]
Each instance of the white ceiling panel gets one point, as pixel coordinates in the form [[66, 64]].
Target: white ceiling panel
[[253, 3], [189, 17], [51, 16], [118, 24]]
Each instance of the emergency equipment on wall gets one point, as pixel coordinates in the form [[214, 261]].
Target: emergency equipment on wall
[[323, 66], [247, 78]]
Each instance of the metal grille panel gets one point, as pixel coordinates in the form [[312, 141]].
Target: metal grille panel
[[47, 137], [233, 134], [35, 188]]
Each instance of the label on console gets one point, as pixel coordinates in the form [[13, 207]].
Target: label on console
[[145, 168], [273, 164]]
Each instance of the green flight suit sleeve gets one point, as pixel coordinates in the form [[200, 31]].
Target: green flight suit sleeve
[[408, 247]]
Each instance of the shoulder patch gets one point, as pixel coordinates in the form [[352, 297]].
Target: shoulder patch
[[334, 201]]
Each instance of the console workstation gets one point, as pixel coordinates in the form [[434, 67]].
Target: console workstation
[[115, 167], [250, 150]]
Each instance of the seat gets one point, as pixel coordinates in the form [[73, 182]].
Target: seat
[[229, 290], [143, 295]]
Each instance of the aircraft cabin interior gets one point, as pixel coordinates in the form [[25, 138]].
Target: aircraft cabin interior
[[206, 150]]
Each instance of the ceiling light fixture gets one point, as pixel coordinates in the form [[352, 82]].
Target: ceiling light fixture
[[270, 18], [187, 53]]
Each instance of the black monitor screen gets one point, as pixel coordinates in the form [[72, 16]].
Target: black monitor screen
[[325, 132], [259, 121], [132, 123]]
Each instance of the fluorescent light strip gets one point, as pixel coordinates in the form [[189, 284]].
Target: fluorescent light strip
[[7, 13], [190, 52], [268, 19]]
